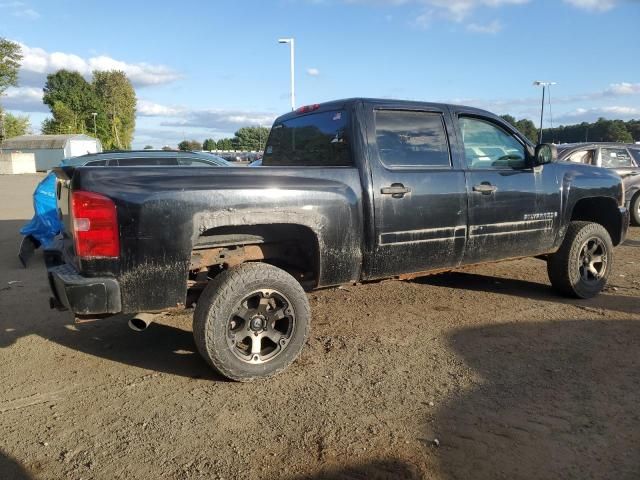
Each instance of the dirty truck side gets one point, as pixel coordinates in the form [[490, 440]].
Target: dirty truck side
[[350, 191]]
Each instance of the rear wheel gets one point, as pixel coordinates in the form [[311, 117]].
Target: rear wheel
[[581, 267], [251, 321], [635, 210]]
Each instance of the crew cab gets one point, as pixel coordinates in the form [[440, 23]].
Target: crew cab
[[349, 191]]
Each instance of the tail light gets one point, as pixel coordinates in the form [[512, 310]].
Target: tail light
[[95, 225], [308, 108]]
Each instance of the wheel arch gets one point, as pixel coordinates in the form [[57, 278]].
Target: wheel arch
[[291, 246], [601, 210]]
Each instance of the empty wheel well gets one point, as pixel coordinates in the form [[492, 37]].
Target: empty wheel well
[[600, 210], [294, 248]]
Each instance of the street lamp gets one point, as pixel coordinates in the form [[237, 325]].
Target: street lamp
[[95, 129], [544, 85], [291, 43]]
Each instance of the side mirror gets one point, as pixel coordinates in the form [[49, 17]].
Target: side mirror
[[546, 153]]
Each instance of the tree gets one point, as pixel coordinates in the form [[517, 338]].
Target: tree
[[71, 100], [187, 145], [167, 148], [116, 108], [10, 57], [524, 126], [148, 147], [226, 144], [528, 129], [209, 144], [15, 125], [252, 138]]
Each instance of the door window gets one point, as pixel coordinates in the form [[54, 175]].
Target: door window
[[582, 156], [411, 139], [487, 146], [615, 158]]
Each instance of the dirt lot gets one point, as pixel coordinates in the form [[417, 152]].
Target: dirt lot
[[512, 380]]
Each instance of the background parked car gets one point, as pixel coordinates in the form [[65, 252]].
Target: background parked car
[[624, 159], [133, 158]]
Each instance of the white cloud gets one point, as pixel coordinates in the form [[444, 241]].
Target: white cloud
[[593, 5], [486, 28], [456, 10], [616, 112], [37, 63], [146, 108], [624, 88], [220, 120], [24, 99], [314, 72], [20, 10]]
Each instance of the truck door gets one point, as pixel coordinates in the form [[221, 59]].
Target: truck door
[[513, 208], [419, 196]]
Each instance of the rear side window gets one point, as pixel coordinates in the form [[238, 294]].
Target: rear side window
[[636, 155], [411, 139], [316, 139], [615, 158], [582, 156]]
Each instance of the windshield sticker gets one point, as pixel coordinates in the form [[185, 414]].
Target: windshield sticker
[[269, 150], [337, 116]]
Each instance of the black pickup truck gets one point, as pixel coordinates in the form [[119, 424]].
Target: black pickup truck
[[350, 191]]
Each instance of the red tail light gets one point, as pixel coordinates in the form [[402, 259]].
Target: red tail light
[[95, 225], [308, 108]]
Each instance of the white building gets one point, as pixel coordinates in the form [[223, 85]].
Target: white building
[[50, 150]]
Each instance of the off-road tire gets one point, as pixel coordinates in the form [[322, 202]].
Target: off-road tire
[[563, 266], [634, 207], [216, 306]]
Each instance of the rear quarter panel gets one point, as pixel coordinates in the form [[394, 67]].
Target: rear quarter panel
[[162, 212]]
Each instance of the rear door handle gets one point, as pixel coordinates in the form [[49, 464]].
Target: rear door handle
[[485, 188], [396, 190]]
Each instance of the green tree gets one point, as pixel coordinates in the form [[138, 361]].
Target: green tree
[[10, 57], [15, 125], [71, 100], [528, 129], [187, 145], [167, 148], [209, 144], [226, 144], [148, 147], [116, 108], [252, 138]]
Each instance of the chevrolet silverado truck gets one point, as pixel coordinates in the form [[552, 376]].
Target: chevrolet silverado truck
[[349, 191]]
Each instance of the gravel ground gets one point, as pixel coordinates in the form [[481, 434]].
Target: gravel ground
[[478, 374]]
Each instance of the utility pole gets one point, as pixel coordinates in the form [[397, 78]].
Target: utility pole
[[544, 85], [291, 42]]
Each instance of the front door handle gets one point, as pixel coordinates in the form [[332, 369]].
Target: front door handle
[[396, 190], [485, 188]]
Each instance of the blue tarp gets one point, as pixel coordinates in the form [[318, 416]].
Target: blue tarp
[[45, 224]]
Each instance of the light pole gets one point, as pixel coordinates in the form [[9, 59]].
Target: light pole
[[95, 129], [292, 46], [544, 85]]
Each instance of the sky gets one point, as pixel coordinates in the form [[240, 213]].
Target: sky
[[204, 69]]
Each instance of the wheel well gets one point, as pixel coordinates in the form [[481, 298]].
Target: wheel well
[[600, 210], [293, 248]]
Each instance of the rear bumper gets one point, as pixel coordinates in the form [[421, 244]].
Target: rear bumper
[[82, 295]]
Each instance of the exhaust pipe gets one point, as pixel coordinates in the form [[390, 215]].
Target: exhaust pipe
[[141, 321]]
